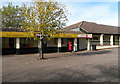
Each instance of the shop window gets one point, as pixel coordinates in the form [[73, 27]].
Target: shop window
[[5, 42], [118, 38], [62, 40], [95, 38], [55, 40], [11, 42], [22, 42]]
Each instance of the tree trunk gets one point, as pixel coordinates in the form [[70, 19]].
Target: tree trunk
[[41, 49]]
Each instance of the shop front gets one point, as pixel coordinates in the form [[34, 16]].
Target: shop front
[[18, 43]]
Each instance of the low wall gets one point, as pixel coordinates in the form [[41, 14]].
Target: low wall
[[107, 46]]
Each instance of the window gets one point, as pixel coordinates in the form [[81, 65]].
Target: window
[[118, 38], [95, 38], [55, 40], [62, 40]]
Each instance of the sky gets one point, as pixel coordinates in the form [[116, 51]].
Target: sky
[[99, 12], [92, 11]]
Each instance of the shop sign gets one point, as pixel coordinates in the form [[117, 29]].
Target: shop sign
[[89, 36], [82, 36], [85, 36]]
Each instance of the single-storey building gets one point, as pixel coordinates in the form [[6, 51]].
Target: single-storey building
[[80, 36]]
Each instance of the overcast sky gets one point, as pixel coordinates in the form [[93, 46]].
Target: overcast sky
[[99, 12]]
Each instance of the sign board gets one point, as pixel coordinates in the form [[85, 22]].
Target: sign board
[[38, 35], [15, 34], [85, 36], [82, 36], [89, 36], [69, 35], [59, 35]]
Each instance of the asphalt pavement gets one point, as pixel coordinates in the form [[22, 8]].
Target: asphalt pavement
[[82, 66]]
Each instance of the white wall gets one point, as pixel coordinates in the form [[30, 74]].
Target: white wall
[[82, 43], [108, 46]]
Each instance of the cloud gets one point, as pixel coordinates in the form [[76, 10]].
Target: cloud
[[99, 13]]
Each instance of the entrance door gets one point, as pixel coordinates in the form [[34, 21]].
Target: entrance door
[[11, 42]]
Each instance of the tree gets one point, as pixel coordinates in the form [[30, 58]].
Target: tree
[[45, 17], [0, 18], [10, 16]]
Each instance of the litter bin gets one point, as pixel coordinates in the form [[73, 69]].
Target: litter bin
[[93, 47]]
